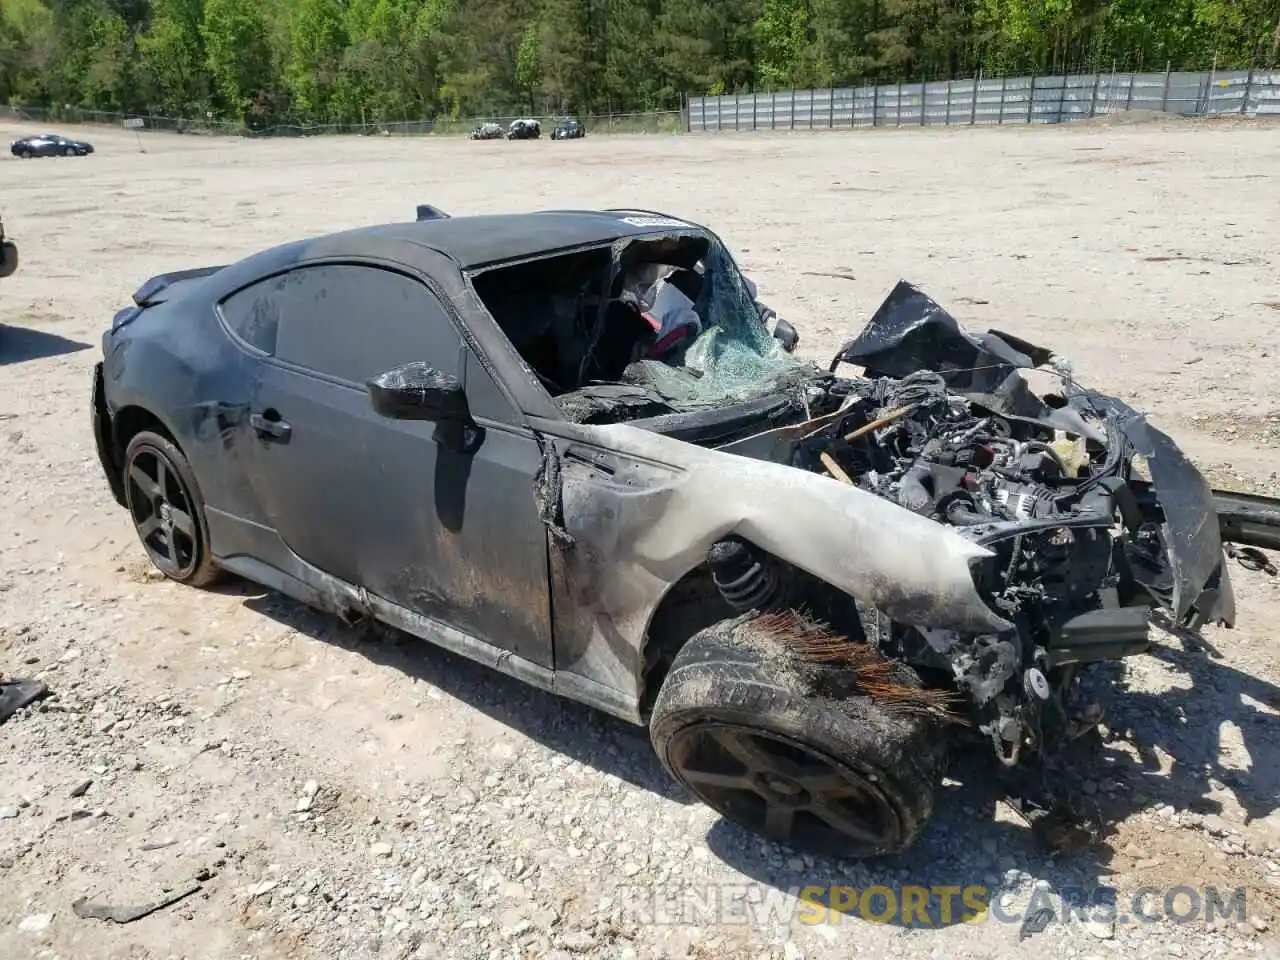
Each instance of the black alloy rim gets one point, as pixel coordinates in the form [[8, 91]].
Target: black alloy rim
[[160, 505], [783, 789]]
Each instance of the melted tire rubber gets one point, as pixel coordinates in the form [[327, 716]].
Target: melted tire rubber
[[726, 674]]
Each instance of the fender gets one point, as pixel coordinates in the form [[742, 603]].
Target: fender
[[640, 510]]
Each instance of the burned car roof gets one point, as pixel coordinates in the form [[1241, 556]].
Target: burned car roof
[[476, 241]]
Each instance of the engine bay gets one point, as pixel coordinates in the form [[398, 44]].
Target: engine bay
[[1093, 518]]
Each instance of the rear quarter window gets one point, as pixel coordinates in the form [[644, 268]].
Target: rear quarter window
[[253, 314]]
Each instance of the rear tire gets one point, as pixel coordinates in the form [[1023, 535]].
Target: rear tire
[[167, 510], [739, 723]]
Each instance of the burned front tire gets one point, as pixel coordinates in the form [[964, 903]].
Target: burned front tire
[[167, 510], [741, 723]]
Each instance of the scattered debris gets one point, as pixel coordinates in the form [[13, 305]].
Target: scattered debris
[[156, 845], [829, 273], [16, 694], [1036, 922], [1251, 558], [97, 911], [263, 888], [80, 789], [308, 798], [1103, 929]]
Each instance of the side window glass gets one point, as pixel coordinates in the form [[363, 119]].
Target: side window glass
[[253, 315], [353, 322]]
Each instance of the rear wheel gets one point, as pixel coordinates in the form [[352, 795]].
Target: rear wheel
[[739, 723], [167, 510]]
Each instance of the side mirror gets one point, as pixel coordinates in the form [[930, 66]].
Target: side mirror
[[782, 331], [417, 391], [787, 334]]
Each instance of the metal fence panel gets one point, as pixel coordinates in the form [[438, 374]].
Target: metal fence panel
[[1002, 100]]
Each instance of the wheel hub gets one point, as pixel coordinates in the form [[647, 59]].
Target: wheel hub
[[777, 789]]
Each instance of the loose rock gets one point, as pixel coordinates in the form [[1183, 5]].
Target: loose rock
[[36, 923]]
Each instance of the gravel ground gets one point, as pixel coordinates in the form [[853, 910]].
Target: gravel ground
[[344, 793]]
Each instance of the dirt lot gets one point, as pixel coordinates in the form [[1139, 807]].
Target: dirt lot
[[454, 813]]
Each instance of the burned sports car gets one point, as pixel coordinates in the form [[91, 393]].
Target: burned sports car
[[487, 131], [576, 446]]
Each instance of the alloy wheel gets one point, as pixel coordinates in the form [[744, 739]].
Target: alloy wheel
[[783, 789], [161, 508]]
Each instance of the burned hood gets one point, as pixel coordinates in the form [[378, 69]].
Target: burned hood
[[911, 332]]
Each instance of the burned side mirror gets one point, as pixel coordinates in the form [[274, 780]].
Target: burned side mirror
[[417, 391], [787, 335]]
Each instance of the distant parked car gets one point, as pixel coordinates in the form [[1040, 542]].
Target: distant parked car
[[569, 128], [488, 131], [524, 129], [49, 145]]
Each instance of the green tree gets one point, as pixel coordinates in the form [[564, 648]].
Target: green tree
[[237, 54]]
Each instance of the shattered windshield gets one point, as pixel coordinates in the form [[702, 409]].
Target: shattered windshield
[[729, 353], [644, 327]]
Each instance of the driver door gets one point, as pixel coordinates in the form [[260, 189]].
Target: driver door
[[377, 502]]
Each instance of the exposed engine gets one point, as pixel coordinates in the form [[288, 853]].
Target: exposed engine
[[1082, 543]]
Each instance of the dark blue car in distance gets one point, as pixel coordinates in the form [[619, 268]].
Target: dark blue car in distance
[[49, 145]]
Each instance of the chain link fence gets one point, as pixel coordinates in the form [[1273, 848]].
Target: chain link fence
[[658, 121]]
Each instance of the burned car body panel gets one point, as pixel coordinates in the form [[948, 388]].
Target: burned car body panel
[[640, 511]]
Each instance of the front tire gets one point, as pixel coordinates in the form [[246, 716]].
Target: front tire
[[167, 510], [742, 724]]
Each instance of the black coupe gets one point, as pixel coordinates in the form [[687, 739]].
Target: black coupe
[[49, 145]]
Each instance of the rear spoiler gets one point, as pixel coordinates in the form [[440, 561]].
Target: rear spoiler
[[150, 292], [427, 212]]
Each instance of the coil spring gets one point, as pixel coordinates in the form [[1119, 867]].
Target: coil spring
[[746, 582]]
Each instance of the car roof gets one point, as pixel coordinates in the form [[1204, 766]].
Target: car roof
[[481, 240]]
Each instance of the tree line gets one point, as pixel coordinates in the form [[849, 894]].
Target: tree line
[[345, 61]]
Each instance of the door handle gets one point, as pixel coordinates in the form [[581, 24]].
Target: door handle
[[269, 426]]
